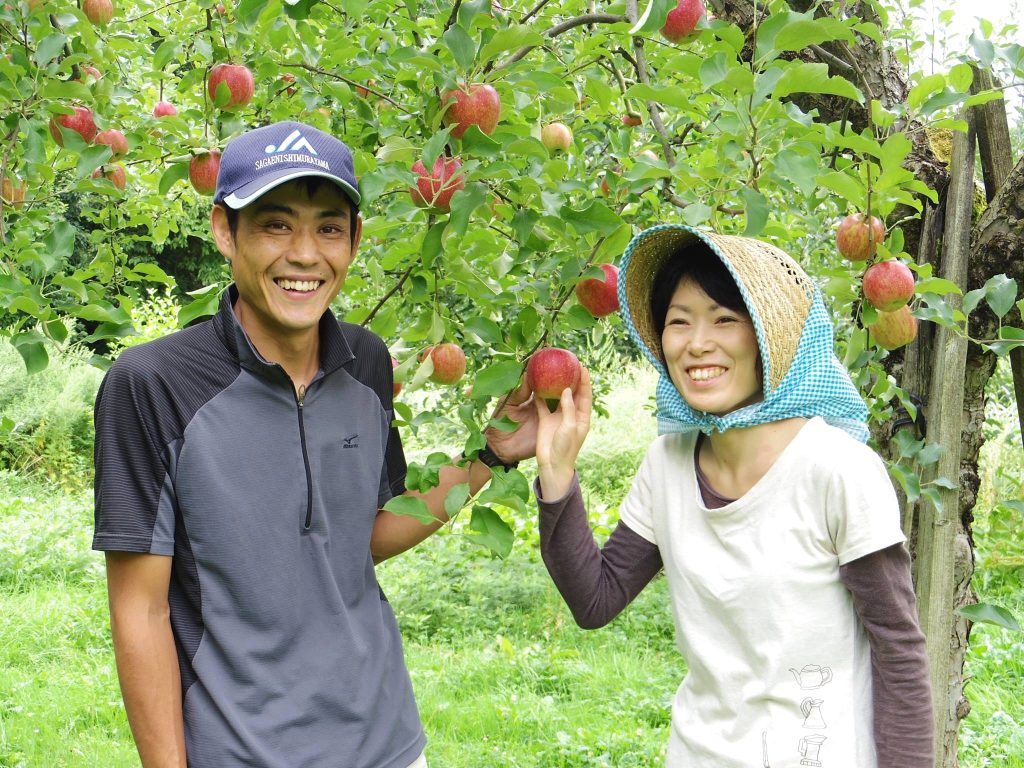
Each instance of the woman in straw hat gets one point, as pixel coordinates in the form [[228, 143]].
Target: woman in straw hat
[[777, 528]]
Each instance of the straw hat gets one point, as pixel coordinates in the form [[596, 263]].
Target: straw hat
[[777, 291]]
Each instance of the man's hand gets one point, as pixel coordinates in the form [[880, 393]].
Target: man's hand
[[521, 444]]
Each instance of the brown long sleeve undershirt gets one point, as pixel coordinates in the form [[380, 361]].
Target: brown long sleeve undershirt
[[598, 583]]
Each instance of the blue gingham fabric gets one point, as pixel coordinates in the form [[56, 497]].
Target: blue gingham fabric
[[816, 384]]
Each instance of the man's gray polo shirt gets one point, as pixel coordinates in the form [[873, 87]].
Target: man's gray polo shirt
[[289, 652]]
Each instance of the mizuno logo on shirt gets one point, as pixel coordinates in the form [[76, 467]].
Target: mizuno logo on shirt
[[347, 442]]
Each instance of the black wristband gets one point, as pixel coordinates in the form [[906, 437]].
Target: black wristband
[[488, 457]]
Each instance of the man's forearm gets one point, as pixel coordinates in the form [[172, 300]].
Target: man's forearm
[[147, 666]]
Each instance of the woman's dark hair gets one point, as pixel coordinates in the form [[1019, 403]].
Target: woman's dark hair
[[697, 263], [311, 185]]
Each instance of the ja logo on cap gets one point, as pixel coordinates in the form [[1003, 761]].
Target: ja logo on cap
[[294, 143]]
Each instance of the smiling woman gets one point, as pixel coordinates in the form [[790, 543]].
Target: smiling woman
[[777, 529]]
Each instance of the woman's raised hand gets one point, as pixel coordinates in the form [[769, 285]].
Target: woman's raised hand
[[560, 435]]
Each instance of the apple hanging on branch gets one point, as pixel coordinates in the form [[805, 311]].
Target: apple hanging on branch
[[112, 172], [556, 136], [600, 296], [164, 109], [858, 238], [552, 370], [81, 122], [98, 12], [477, 104], [893, 330], [682, 20], [434, 189], [237, 80], [202, 171], [888, 285], [114, 139], [449, 362]]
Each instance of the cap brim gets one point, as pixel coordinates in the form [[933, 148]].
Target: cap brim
[[248, 193]]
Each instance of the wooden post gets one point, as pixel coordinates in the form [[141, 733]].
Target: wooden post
[[939, 524]]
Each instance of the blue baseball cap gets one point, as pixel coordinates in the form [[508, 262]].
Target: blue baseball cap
[[257, 161]]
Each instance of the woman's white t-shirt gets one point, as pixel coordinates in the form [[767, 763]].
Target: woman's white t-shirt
[[779, 665]]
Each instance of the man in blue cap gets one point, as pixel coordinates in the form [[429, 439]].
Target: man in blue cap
[[241, 467]]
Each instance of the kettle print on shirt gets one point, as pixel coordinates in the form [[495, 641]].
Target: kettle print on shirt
[[812, 676]]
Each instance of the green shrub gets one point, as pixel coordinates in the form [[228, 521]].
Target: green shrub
[[47, 417]]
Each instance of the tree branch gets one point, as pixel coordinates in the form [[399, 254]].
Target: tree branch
[[555, 31], [397, 287]]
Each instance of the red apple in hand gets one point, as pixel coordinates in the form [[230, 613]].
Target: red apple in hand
[[477, 105], [114, 173], [164, 109], [238, 80], [600, 297], [449, 363], [894, 329], [550, 370], [857, 239], [114, 139], [99, 12], [888, 285], [435, 189], [682, 20], [556, 136], [202, 172]]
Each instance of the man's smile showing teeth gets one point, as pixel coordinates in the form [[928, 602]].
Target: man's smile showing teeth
[[304, 286], [703, 374]]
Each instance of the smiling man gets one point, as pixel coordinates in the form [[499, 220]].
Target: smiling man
[[241, 467]]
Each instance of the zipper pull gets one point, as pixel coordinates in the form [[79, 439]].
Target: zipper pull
[[302, 394]]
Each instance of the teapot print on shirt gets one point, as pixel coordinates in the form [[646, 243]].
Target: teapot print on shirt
[[812, 676]]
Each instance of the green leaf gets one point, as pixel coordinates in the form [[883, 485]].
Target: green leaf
[[432, 242], [47, 50], [164, 53], [510, 39], [653, 17], [60, 242], [476, 142], [455, 499], [205, 304], [714, 69], [1010, 338], [410, 506], [32, 348], [490, 531], [596, 217], [939, 286], [464, 203], [797, 35], [972, 299], [91, 158], [757, 211], [804, 77], [174, 173], [923, 90], [667, 95], [1000, 293], [987, 613], [497, 379], [461, 45], [848, 187], [961, 76], [487, 330], [798, 168]]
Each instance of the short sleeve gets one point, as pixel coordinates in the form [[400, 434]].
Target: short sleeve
[[134, 499], [863, 513], [636, 509]]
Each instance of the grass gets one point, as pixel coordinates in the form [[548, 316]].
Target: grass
[[503, 677]]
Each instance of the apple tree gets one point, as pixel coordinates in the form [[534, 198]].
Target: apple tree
[[507, 152]]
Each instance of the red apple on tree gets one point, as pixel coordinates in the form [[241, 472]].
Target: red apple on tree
[[894, 329], [435, 189], [90, 70], [99, 12], [114, 139], [202, 171], [239, 83], [556, 136], [551, 370], [365, 91], [449, 363], [888, 285], [476, 104], [682, 20], [81, 122], [164, 109], [114, 173], [600, 297], [631, 119], [857, 239], [289, 78], [396, 387]]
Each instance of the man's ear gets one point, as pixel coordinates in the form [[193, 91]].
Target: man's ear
[[221, 230], [357, 235]]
